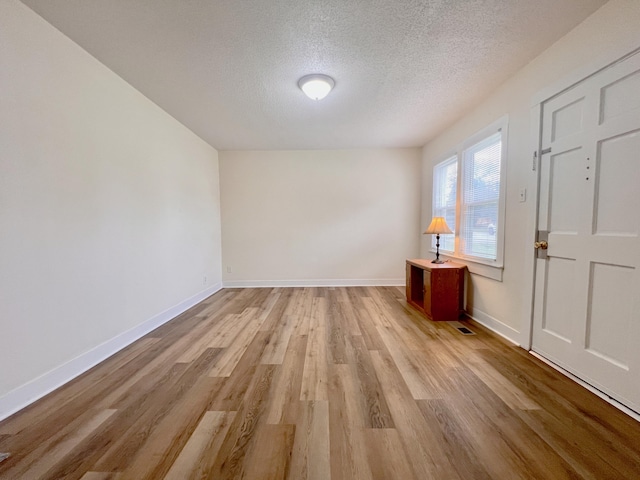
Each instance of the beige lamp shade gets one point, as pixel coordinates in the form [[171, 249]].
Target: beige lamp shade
[[438, 225]]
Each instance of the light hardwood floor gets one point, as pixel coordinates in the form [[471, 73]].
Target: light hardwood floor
[[319, 383]]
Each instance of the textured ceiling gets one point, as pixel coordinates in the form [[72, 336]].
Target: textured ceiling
[[228, 70]]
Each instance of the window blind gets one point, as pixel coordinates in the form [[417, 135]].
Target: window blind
[[445, 179], [480, 197]]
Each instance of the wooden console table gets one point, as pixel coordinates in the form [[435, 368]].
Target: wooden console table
[[437, 290]]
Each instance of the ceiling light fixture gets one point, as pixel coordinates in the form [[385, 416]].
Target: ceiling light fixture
[[316, 86]]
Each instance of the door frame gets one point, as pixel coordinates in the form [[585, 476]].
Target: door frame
[[546, 94]]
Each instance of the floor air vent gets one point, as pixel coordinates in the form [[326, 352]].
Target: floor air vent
[[465, 331], [461, 328], [3, 456]]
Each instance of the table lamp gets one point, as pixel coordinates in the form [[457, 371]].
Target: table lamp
[[438, 225]]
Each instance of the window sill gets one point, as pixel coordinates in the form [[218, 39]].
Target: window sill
[[493, 272]]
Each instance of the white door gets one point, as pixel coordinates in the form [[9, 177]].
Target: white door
[[587, 291]]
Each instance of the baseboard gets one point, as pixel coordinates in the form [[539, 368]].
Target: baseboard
[[496, 326], [384, 282], [28, 393]]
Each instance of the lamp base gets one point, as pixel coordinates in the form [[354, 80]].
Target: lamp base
[[437, 260]]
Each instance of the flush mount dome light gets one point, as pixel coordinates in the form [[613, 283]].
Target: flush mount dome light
[[316, 86]]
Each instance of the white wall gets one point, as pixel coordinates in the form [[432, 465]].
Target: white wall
[[109, 210], [608, 34], [319, 217]]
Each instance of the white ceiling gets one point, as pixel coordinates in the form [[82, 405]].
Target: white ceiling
[[228, 69]]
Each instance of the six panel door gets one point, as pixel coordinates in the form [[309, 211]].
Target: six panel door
[[587, 291]]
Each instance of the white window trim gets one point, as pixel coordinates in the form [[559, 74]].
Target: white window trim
[[481, 266]]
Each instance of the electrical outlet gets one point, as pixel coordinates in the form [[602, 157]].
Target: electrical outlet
[[229, 270], [204, 280]]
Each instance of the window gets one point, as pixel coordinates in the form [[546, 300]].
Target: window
[[468, 191], [445, 186], [480, 198]]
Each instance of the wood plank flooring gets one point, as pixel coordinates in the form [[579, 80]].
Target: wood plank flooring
[[319, 383]]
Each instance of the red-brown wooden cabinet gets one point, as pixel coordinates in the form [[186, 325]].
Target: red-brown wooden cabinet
[[437, 290]]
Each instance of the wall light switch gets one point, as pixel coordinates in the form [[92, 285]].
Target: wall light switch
[[523, 195]]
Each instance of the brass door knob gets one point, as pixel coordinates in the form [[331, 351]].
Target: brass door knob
[[541, 245]]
